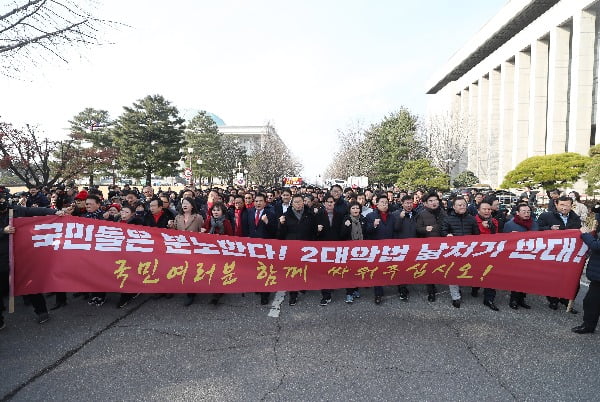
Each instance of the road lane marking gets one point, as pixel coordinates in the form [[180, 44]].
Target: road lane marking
[[276, 305]]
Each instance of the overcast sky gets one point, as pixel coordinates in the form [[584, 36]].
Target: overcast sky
[[309, 67]]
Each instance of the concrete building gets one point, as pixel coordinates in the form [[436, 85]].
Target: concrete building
[[529, 81], [250, 137]]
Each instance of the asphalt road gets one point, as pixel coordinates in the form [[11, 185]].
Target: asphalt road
[[240, 350]]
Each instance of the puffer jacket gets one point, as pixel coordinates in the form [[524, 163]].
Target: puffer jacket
[[459, 225]]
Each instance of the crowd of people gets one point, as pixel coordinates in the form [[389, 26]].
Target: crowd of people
[[312, 213]]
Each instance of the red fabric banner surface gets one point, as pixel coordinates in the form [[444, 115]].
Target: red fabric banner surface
[[53, 254]]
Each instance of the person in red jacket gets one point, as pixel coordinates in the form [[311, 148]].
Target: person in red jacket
[[218, 223]]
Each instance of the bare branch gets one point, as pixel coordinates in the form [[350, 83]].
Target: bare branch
[[34, 28]]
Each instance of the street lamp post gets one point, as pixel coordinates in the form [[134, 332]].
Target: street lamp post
[[199, 162], [190, 152], [114, 176]]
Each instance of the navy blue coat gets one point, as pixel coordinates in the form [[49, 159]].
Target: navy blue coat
[[385, 230], [262, 230], [511, 226], [406, 228], [593, 268]]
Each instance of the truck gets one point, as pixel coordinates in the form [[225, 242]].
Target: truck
[[357, 181]]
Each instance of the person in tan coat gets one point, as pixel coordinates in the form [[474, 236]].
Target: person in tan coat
[[190, 221]]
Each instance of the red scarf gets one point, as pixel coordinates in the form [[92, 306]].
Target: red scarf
[[526, 223], [158, 215], [384, 216], [238, 222]]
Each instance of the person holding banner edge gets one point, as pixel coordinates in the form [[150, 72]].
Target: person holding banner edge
[[37, 300], [591, 301]]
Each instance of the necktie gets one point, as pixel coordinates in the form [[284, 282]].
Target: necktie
[[256, 218]]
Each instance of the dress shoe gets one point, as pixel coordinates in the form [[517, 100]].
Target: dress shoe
[[553, 305], [582, 329], [58, 305], [431, 297], [403, 293], [456, 303], [378, 299], [573, 311], [42, 318], [491, 305], [524, 305], [514, 305], [189, 300]]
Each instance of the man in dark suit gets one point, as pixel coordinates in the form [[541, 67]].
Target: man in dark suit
[[562, 218], [260, 223], [282, 206], [329, 228]]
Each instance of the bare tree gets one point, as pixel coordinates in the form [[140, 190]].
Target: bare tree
[[447, 140], [352, 157], [35, 160], [34, 31], [272, 162]]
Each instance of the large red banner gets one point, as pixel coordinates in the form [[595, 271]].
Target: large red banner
[[53, 254]]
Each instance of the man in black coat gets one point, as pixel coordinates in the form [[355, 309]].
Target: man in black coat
[[561, 219], [340, 205], [428, 224], [37, 300], [458, 223], [297, 223], [329, 228], [591, 301], [406, 228], [157, 216]]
